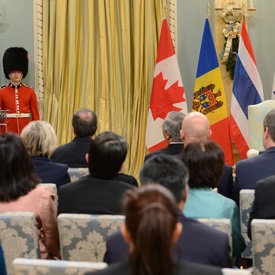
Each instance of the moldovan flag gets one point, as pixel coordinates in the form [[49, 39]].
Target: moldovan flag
[[167, 91], [247, 90], [209, 94], [273, 88]]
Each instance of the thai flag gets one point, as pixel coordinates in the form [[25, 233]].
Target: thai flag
[[247, 90]]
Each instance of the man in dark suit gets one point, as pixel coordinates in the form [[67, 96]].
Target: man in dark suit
[[251, 170], [263, 206], [73, 154], [197, 242], [171, 133], [84, 124], [196, 127], [97, 193]]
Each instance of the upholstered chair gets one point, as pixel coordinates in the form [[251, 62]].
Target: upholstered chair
[[83, 237]]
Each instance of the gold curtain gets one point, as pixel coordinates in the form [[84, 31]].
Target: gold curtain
[[100, 54]]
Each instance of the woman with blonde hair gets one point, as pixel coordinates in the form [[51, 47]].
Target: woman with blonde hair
[[40, 139]]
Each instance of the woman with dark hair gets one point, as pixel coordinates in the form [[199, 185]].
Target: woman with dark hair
[[205, 161], [151, 228], [19, 191]]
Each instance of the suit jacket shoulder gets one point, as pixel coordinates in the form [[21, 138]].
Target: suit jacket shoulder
[[226, 184], [263, 206], [180, 268], [91, 195], [198, 243]]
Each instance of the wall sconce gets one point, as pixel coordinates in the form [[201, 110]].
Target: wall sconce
[[232, 11]]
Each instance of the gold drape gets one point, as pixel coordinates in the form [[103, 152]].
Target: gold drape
[[101, 54]]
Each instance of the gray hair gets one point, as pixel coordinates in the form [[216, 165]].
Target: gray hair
[[172, 124]]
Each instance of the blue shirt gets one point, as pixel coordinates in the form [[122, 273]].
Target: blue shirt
[[204, 203]]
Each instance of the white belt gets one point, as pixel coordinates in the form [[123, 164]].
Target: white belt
[[18, 115]]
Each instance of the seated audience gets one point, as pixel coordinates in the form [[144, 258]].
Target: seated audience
[[84, 123], [73, 154], [99, 192], [40, 139], [171, 132], [251, 170], [263, 206], [20, 192], [198, 242], [151, 229], [205, 161], [196, 127]]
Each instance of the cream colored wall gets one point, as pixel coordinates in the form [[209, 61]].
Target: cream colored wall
[[16, 29]]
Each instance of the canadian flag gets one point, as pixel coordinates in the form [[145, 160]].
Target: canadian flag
[[167, 91]]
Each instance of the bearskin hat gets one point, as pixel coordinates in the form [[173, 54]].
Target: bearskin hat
[[15, 59]]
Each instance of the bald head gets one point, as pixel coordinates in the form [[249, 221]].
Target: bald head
[[195, 127]]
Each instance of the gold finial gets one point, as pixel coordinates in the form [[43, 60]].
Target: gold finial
[[208, 11]]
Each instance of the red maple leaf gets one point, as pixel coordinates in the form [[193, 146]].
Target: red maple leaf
[[162, 100]]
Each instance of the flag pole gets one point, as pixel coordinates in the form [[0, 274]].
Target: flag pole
[[208, 11]]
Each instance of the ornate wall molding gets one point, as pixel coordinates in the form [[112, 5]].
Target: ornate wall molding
[[38, 52]]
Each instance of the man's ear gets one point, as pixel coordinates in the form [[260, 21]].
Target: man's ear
[[74, 130], [87, 158], [181, 134], [177, 232], [125, 234], [185, 196], [209, 133]]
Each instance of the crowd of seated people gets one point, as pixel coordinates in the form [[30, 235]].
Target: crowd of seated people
[[200, 165], [151, 229]]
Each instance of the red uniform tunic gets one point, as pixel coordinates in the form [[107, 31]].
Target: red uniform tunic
[[21, 103]]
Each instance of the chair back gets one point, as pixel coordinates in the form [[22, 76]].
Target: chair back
[[263, 246], [77, 173], [220, 224], [41, 267], [19, 237], [256, 114], [246, 201], [235, 271], [83, 237]]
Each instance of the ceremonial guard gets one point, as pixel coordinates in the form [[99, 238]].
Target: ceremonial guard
[[16, 98]]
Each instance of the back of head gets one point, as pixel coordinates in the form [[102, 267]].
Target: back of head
[[84, 123], [205, 161], [269, 122], [167, 171], [40, 138], [172, 125], [107, 153], [17, 176], [150, 218], [195, 127]]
